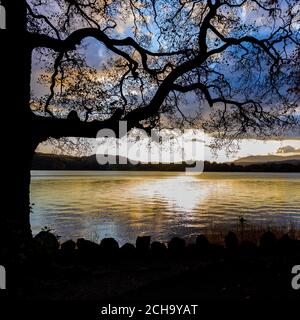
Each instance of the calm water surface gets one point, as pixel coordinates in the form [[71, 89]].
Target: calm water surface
[[123, 205]]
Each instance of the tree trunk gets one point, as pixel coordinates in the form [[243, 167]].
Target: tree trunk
[[15, 62]]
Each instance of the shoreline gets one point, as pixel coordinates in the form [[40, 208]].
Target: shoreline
[[88, 271]]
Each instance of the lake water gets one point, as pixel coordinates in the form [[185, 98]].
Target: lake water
[[123, 205]]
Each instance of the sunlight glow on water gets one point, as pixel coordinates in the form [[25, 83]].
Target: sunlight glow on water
[[158, 204], [181, 193]]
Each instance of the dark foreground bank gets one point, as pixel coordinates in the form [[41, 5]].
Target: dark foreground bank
[[202, 271]]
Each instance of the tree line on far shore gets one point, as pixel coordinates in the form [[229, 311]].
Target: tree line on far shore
[[63, 162]]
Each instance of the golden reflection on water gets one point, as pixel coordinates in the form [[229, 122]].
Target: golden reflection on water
[[159, 204], [180, 193]]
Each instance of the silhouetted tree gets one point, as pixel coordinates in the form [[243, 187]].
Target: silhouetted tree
[[230, 58]]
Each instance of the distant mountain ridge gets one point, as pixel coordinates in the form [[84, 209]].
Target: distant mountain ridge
[[43, 161], [293, 159]]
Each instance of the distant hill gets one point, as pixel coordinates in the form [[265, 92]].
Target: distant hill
[[43, 161], [292, 159]]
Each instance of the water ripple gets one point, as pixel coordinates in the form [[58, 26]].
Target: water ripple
[[160, 204]]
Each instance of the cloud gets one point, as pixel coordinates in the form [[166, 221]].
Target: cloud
[[287, 149]]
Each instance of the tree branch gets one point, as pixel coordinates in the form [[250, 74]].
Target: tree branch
[[75, 38]]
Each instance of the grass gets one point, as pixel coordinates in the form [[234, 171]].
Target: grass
[[251, 232], [215, 233]]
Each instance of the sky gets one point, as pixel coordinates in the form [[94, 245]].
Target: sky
[[141, 150], [254, 147], [97, 55]]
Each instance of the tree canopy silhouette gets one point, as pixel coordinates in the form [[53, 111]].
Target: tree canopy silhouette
[[232, 60]]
